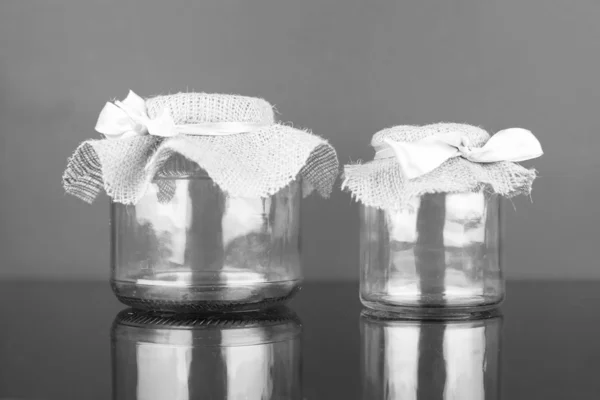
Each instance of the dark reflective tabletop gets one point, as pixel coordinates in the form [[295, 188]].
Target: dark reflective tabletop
[[75, 341]]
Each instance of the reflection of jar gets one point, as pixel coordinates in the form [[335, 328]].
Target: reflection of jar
[[440, 257], [414, 360], [187, 246], [239, 356]]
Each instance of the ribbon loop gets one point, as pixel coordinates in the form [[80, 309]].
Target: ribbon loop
[[129, 117], [514, 144], [421, 157]]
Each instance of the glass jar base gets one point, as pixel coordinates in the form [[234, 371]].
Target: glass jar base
[[205, 299], [445, 313]]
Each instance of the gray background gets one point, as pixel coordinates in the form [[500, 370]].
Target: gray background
[[342, 68]]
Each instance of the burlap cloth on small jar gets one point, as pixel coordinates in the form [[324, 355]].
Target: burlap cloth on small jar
[[254, 163], [381, 183]]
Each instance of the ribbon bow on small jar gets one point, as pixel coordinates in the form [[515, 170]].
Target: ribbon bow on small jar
[[423, 156], [129, 118]]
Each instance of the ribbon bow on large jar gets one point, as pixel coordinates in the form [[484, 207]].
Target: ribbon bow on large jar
[[423, 156]]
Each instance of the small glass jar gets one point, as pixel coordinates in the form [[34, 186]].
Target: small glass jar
[[233, 356], [186, 246], [410, 359], [437, 258]]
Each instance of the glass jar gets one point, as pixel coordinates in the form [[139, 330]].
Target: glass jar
[[437, 258], [186, 246], [410, 359], [233, 356]]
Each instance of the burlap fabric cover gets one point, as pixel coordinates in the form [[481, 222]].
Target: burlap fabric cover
[[381, 184], [253, 164]]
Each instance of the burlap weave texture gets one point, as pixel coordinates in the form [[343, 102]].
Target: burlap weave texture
[[251, 164], [381, 184]]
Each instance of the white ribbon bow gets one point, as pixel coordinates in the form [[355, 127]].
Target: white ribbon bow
[[127, 118], [425, 155]]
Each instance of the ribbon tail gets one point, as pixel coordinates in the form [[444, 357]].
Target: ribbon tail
[[163, 125], [419, 158], [514, 145]]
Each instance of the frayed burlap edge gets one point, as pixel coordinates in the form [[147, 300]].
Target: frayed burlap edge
[[381, 184], [83, 177]]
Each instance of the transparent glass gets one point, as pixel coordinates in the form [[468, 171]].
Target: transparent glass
[[187, 246], [225, 356], [439, 258], [411, 359]]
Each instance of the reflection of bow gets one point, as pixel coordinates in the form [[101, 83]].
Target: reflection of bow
[[425, 155], [127, 118]]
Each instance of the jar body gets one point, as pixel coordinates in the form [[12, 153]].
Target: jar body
[[438, 258], [203, 250]]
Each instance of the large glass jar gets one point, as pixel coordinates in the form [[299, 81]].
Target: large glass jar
[[411, 359], [437, 258], [223, 356], [186, 246]]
